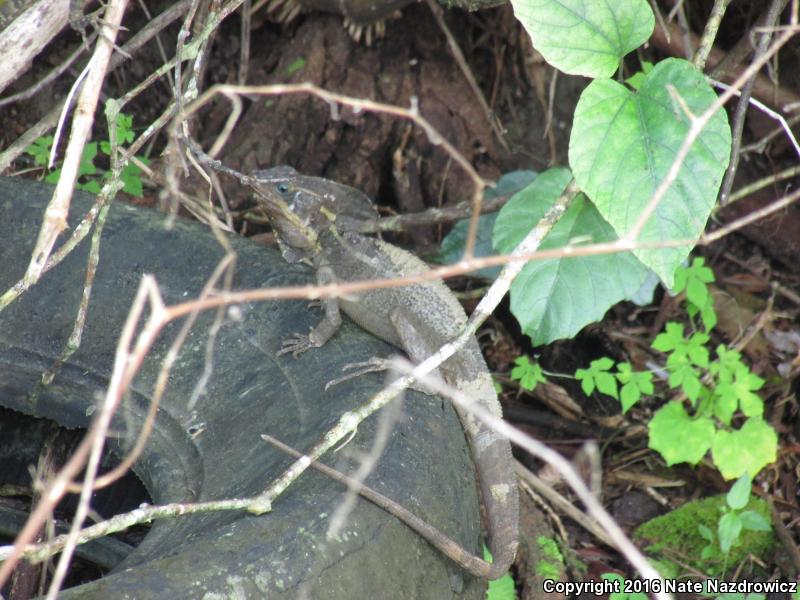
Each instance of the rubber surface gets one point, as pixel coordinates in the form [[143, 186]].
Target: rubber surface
[[214, 450]]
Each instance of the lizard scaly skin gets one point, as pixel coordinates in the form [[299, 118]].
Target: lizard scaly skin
[[315, 221]]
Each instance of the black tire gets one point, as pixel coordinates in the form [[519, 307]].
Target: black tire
[[214, 450]]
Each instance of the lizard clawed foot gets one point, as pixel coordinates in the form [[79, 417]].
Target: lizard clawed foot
[[296, 345], [358, 369]]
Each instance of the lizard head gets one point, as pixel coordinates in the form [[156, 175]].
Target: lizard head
[[340, 204], [289, 211]]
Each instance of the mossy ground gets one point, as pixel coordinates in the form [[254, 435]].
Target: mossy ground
[[675, 536]]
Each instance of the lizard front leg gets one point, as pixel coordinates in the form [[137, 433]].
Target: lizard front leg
[[324, 330]]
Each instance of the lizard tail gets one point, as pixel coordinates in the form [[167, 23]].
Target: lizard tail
[[500, 497]]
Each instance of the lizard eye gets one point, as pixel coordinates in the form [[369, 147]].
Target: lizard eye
[[283, 188]]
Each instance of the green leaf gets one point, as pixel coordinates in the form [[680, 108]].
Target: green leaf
[[623, 143], [499, 589], [597, 376], [728, 529], [739, 493], [724, 403], [755, 521], [727, 363], [529, 374], [678, 437], [693, 279], [670, 339], [637, 79], [297, 64], [745, 384], [452, 248], [86, 166], [747, 450], [40, 149], [92, 186], [132, 178], [556, 298], [705, 533], [634, 385], [708, 316], [586, 38]]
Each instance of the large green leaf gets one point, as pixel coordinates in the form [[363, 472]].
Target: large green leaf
[[746, 450], [452, 248], [556, 298], [677, 436], [624, 142], [585, 37]]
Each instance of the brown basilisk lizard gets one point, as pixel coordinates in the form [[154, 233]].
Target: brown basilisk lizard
[[316, 222]]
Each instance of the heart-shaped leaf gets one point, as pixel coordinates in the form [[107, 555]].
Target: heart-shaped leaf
[[556, 298], [584, 37], [747, 450], [623, 143], [677, 436]]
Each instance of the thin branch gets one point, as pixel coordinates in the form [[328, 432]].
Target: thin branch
[[772, 16], [710, 33], [764, 182], [55, 220]]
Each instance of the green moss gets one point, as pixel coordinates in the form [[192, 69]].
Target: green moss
[[676, 535]]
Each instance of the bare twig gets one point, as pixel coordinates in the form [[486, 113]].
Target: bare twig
[[49, 121], [764, 182], [458, 56], [710, 32], [36, 26], [55, 220], [772, 16], [48, 79]]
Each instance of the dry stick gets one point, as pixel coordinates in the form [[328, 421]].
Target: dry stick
[[55, 220], [451, 549], [244, 41], [35, 27], [432, 216], [773, 14], [50, 77], [764, 182], [458, 56], [388, 419], [733, 57], [55, 215], [74, 341], [710, 33], [620, 541], [697, 124], [784, 124], [764, 89], [135, 43], [76, 334], [561, 504]]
